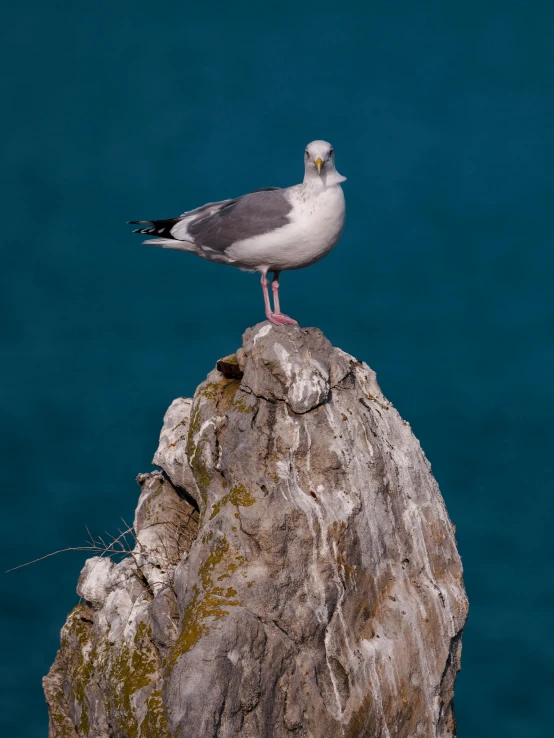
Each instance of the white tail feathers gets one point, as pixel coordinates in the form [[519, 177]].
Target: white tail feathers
[[171, 243]]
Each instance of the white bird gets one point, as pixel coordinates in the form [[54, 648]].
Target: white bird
[[268, 230]]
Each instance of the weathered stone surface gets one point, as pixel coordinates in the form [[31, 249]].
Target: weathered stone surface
[[171, 455], [107, 676], [322, 594]]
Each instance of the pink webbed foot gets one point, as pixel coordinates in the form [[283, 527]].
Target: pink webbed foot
[[280, 319], [276, 317]]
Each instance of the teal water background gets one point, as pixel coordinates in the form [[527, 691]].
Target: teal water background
[[442, 118]]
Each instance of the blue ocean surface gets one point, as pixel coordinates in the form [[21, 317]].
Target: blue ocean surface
[[442, 118]]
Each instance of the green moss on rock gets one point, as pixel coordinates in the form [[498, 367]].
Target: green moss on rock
[[201, 472], [240, 406]]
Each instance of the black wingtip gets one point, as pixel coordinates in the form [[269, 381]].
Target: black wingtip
[[156, 228]]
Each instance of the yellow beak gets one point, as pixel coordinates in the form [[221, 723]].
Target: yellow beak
[[319, 164]]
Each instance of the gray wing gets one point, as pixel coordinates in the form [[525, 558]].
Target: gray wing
[[209, 207], [217, 225], [248, 216], [169, 228]]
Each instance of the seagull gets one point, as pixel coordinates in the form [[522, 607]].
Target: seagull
[[268, 230]]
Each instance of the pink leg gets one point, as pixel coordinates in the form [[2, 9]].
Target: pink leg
[[277, 317], [275, 290], [267, 304]]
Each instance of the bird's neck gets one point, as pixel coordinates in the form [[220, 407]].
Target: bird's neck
[[322, 181]]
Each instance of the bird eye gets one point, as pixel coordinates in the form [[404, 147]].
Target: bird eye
[[331, 152], [307, 154]]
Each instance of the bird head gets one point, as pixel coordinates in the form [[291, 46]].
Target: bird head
[[319, 164]]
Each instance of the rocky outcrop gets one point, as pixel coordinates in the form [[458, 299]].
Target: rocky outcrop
[[295, 572]]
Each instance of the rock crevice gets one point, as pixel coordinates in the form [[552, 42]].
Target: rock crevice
[[295, 571]]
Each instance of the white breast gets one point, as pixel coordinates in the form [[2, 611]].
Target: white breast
[[317, 221]]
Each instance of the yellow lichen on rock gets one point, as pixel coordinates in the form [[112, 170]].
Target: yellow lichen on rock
[[82, 660], [238, 496], [129, 669], [207, 607], [154, 724]]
